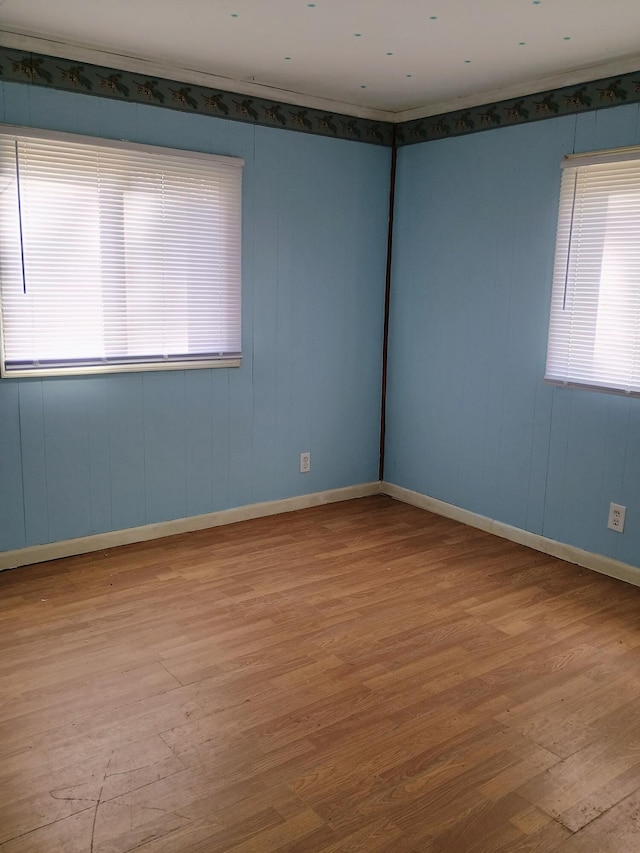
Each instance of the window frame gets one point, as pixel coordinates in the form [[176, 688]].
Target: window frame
[[125, 363], [589, 231]]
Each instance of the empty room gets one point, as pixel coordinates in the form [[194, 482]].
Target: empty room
[[319, 426]]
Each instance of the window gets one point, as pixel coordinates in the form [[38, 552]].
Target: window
[[116, 256], [594, 333]]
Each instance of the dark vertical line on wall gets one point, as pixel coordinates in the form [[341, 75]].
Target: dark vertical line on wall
[[544, 527], [387, 295], [44, 457], [24, 499]]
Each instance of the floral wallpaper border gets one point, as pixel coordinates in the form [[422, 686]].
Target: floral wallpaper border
[[568, 100], [55, 73]]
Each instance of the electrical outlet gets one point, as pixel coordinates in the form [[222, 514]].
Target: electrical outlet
[[305, 463], [617, 515]]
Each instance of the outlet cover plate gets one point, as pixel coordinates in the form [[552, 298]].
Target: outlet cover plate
[[617, 514]]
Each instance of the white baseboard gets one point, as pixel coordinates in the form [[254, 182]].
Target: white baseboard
[[101, 541], [586, 559]]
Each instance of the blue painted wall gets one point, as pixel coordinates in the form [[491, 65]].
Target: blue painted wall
[[470, 420], [87, 455]]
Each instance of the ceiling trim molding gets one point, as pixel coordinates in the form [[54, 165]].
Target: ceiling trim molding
[[567, 100], [121, 62], [614, 68], [38, 69], [55, 72]]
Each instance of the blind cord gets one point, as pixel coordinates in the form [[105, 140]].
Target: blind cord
[[24, 277], [566, 272]]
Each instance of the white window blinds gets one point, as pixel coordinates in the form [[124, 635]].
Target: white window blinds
[[594, 332], [116, 256]]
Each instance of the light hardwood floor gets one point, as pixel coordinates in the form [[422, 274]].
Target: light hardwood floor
[[363, 676]]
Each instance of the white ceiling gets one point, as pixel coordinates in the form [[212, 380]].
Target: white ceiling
[[393, 59]]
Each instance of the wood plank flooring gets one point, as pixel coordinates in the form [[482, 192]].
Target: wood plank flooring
[[363, 676]]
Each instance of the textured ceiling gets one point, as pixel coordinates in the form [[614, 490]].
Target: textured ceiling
[[368, 57]]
